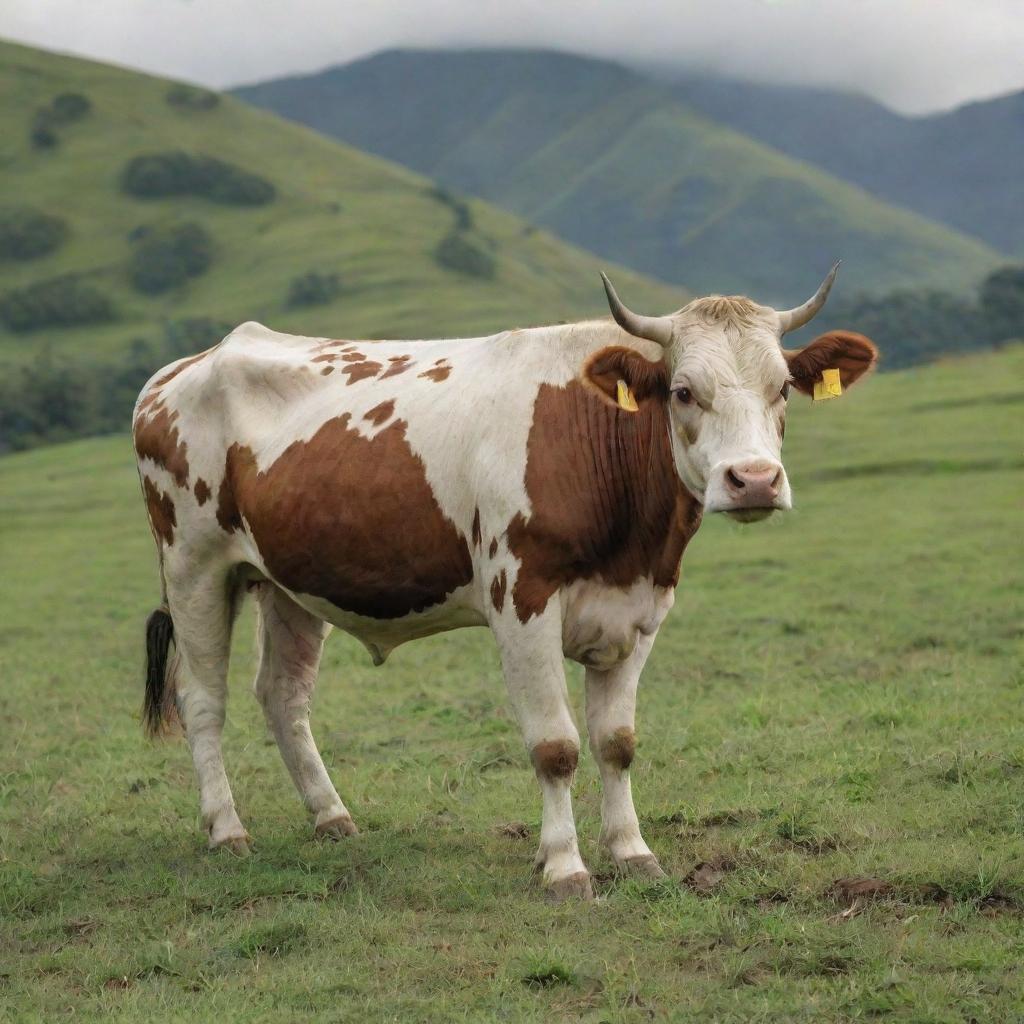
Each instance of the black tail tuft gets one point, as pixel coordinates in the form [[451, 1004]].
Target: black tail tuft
[[157, 705]]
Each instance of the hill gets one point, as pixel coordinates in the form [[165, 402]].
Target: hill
[[835, 695], [615, 162], [229, 213], [962, 168]]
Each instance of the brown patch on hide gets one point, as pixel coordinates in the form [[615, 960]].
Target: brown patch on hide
[[327, 357], [619, 748], [202, 491], [156, 438], [161, 511], [327, 371], [477, 536], [399, 364], [350, 519], [353, 357], [228, 516], [438, 372], [606, 500], [851, 354], [555, 759], [498, 587], [493, 549], [360, 371], [381, 413]]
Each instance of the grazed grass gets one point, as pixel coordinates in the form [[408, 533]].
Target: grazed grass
[[835, 697]]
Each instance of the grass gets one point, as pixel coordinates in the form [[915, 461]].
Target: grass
[[835, 697], [338, 211]]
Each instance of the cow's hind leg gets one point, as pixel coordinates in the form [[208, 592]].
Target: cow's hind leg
[[202, 606], [291, 640], [611, 706]]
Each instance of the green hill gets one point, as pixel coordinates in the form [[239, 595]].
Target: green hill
[[961, 167], [392, 255], [836, 695], [618, 164]]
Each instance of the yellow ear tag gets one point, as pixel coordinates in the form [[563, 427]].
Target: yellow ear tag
[[625, 397], [830, 386]]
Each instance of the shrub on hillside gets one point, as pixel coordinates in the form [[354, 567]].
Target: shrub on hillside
[[26, 233], [313, 289], [69, 106], [47, 399], [459, 207], [63, 109], [457, 252], [1002, 303], [157, 175], [41, 135], [165, 259], [59, 302], [191, 97]]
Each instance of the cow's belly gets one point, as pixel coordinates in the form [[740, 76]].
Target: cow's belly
[[602, 624], [381, 636]]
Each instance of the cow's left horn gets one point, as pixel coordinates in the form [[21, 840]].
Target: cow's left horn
[[653, 328], [791, 319]]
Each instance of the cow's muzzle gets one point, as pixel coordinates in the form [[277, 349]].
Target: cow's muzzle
[[749, 490]]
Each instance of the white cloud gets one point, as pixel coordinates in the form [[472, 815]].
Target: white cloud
[[915, 55]]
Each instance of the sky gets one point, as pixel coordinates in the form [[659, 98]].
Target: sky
[[916, 56]]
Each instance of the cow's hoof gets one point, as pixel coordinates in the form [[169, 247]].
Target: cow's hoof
[[646, 866], [575, 886], [236, 845], [336, 828]]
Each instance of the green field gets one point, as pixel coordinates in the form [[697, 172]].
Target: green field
[[337, 211], [837, 693]]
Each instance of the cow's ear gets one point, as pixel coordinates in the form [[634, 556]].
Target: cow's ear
[[851, 354], [644, 378]]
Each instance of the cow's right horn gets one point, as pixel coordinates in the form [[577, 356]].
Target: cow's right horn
[[653, 328]]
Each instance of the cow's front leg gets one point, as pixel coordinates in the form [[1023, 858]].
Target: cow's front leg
[[611, 706], [531, 657]]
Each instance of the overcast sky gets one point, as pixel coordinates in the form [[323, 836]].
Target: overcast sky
[[914, 55]]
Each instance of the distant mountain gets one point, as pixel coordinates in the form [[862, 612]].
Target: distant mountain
[[343, 243], [617, 163], [964, 168]]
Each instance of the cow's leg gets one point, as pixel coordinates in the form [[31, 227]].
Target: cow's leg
[[202, 609], [291, 640], [611, 703], [531, 657]]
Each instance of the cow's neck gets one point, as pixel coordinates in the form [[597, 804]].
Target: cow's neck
[[606, 501]]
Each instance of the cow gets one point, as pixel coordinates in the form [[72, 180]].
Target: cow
[[543, 482]]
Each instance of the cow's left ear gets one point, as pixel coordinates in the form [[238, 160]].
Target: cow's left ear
[[851, 354], [607, 367]]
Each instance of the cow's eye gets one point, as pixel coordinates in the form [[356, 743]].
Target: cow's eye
[[684, 395], [785, 392]]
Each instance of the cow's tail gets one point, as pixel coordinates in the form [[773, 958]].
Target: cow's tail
[[159, 716]]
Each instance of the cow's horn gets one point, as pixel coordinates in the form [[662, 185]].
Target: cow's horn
[[653, 328], [791, 319]]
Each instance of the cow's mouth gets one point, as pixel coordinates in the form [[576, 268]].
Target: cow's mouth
[[748, 515]]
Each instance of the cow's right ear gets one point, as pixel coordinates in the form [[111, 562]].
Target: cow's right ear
[[851, 354], [645, 379]]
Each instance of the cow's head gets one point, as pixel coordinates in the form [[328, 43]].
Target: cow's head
[[729, 379]]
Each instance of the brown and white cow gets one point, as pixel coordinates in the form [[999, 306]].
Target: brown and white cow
[[541, 482]]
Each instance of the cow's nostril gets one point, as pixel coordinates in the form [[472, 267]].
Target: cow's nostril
[[733, 480], [777, 481]]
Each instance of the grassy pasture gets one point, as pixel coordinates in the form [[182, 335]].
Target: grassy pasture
[[837, 693]]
